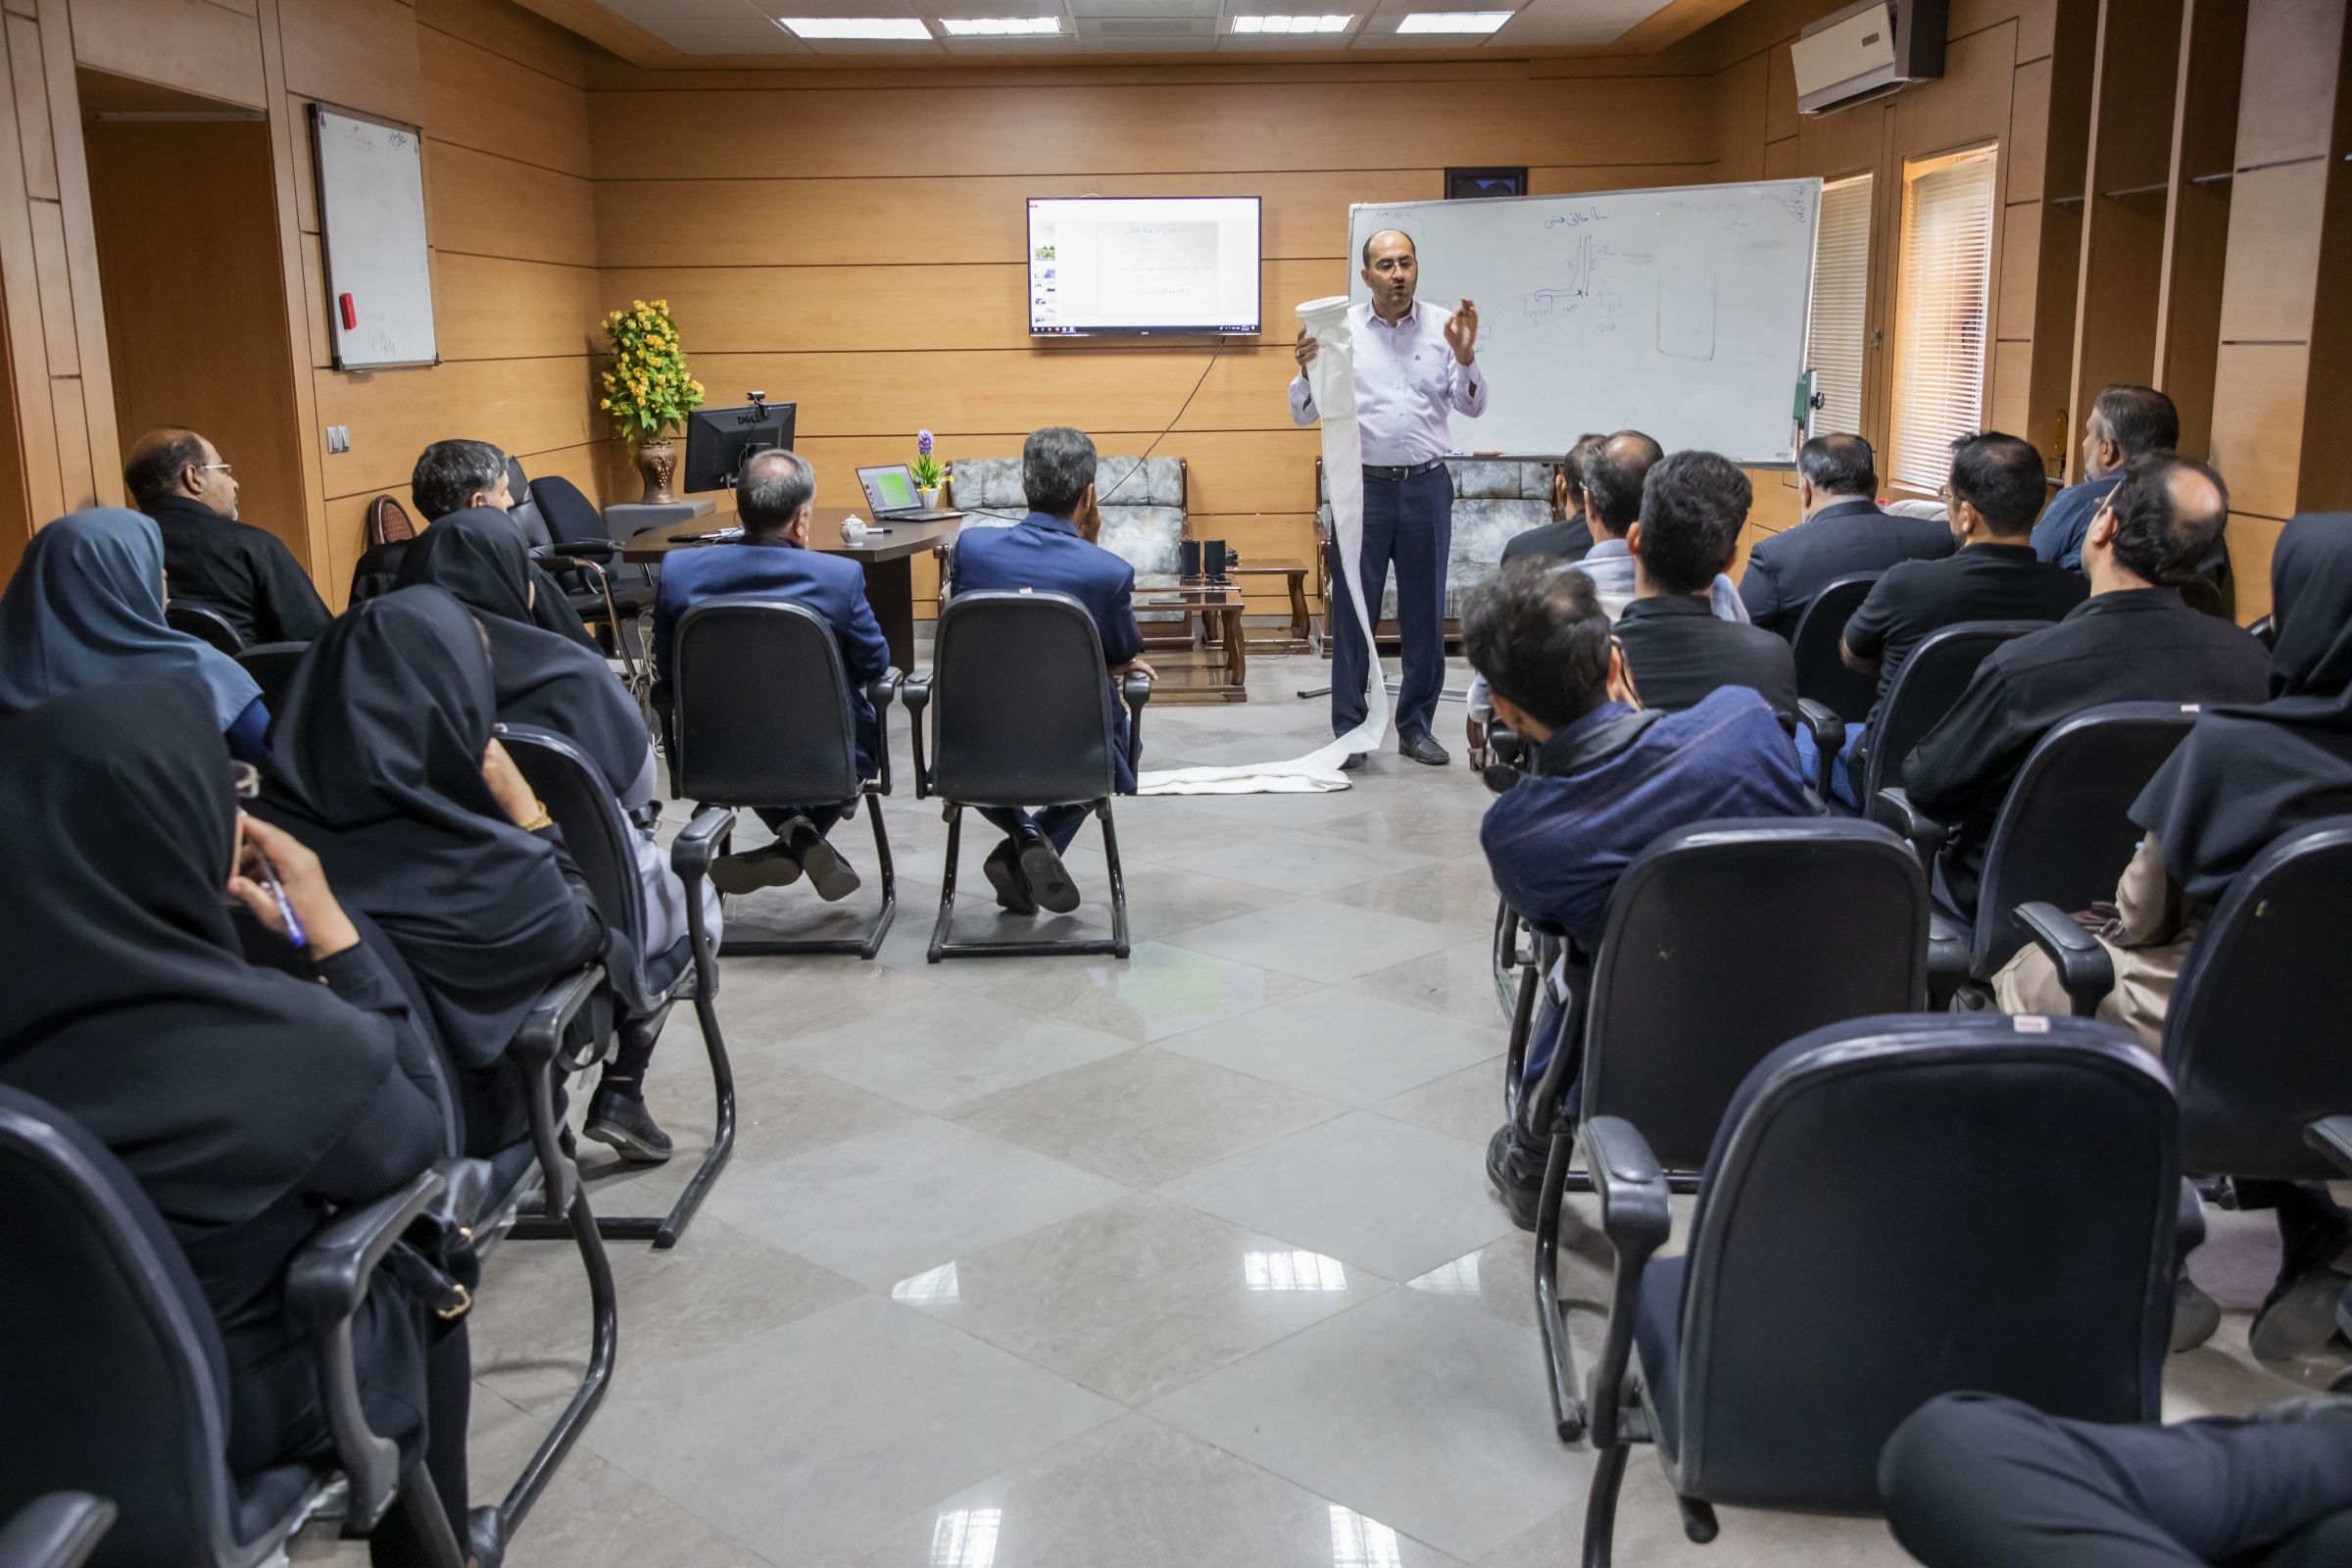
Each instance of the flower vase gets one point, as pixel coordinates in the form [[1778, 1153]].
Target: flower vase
[[657, 461], [931, 494]]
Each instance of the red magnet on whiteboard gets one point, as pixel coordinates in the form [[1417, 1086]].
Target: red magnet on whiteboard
[[351, 312]]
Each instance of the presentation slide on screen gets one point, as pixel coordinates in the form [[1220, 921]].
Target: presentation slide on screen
[[1178, 263]]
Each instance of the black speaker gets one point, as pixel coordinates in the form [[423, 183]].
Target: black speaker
[[1213, 560], [1188, 560]]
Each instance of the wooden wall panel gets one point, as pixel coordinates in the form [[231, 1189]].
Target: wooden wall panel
[[494, 308], [354, 53], [2258, 394], [189, 44], [2296, 47], [2267, 294], [479, 98]]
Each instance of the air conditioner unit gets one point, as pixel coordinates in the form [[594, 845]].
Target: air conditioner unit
[[1866, 51]]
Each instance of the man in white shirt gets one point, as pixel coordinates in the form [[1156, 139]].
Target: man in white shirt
[[1413, 367]]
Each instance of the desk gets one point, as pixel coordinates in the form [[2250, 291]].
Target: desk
[[887, 558]]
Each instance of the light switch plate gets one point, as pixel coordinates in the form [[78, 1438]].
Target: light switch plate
[[338, 438]]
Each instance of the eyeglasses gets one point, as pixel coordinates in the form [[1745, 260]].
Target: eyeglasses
[[222, 466]]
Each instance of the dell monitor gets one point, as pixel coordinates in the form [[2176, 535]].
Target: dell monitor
[[719, 440]]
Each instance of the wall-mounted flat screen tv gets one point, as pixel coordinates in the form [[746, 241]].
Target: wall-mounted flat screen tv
[[1143, 265]]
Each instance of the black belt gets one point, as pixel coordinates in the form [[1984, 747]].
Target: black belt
[[1375, 470]]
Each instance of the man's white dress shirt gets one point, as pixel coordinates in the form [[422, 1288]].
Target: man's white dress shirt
[[1407, 383]]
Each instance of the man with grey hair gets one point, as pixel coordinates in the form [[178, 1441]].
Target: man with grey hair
[[1053, 550], [1840, 531], [775, 494]]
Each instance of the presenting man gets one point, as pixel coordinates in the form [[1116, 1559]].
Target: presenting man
[[1412, 367]]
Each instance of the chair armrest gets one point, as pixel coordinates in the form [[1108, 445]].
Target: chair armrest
[[2188, 1225], [1636, 1217], [882, 691], [1135, 691], [1828, 736], [326, 1283], [2084, 967], [697, 844], [57, 1531], [2332, 1135], [597, 550], [536, 1047], [1892, 808], [915, 693]]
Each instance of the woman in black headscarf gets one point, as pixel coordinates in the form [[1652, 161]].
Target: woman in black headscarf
[[382, 759], [246, 1104], [555, 684], [2244, 776]]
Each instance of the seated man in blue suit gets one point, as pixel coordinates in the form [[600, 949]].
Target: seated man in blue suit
[[773, 499], [1053, 550]]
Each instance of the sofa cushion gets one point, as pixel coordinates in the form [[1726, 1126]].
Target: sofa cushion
[[1145, 537], [1480, 481], [995, 483], [990, 483]]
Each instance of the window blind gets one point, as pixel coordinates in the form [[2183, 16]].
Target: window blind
[[1841, 304], [1942, 305]]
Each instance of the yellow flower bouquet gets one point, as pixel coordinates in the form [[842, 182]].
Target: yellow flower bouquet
[[648, 391]]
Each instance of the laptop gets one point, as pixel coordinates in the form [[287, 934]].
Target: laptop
[[891, 496]]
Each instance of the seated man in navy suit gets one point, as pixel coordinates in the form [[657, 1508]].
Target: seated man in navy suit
[[1053, 550], [773, 498]]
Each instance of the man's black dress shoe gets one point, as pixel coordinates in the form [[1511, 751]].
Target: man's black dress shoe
[[1002, 869], [1049, 879], [1423, 748]]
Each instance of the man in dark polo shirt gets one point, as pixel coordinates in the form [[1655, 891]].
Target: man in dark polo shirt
[[2133, 641], [1992, 498], [244, 574], [1676, 648]]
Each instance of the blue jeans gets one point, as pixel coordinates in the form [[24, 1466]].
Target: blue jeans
[[1409, 521], [1842, 783]]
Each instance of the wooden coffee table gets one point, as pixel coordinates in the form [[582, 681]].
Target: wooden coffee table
[[1215, 667], [1301, 637]]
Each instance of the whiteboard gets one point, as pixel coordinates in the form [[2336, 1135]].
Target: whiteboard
[[1679, 312], [379, 282]]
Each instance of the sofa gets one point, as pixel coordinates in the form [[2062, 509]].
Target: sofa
[[1494, 499], [1143, 501]]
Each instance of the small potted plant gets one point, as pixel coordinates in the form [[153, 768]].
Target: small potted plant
[[929, 476], [647, 391]]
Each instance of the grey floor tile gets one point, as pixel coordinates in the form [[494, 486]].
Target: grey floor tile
[[1424, 1412], [783, 1109], [1465, 1105], [596, 1515], [1649, 1531], [1433, 822], [1458, 892], [946, 1047], [1144, 1116], [1158, 989], [1396, 1198], [1138, 1297], [1140, 1494], [1457, 981], [1341, 1045], [894, 1202], [1320, 939], [1296, 861], [809, 1437]]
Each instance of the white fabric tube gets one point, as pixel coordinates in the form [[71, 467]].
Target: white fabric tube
[[1332, 376]]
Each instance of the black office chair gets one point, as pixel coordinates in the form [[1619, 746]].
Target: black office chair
[[573, 522], [1821, 675], [579, 570], [1925, 689], [272, 666], [2254, 1034], [601, 839], [57, 1531], [1690, 989], [1025, 718], [2265, 631], [206, 625], [117, 1383], [1876, 1227], [761, 715], [2062, 835]]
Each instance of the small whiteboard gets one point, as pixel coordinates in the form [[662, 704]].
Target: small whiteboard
[[1682, 311], [379, 282]]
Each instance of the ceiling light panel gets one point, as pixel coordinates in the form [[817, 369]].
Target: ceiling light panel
[[1283, 24], [1000, 26], [1454, 22], [863, 27]]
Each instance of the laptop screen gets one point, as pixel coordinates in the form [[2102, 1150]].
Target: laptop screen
[[890, 489]]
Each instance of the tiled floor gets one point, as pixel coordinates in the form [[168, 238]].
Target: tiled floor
[[1063, 1262]]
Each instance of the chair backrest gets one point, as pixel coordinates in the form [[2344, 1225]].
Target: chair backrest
[[1819, 673], [524, 512], [388, 521], [1021, 706], [601, 839], [2063, 836], [572, 517], [2255, 1034], [209, 625], [116, 1377], [1692, 988], [272, 666], [1902, 1207], [760, 707], [1925, 689]]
